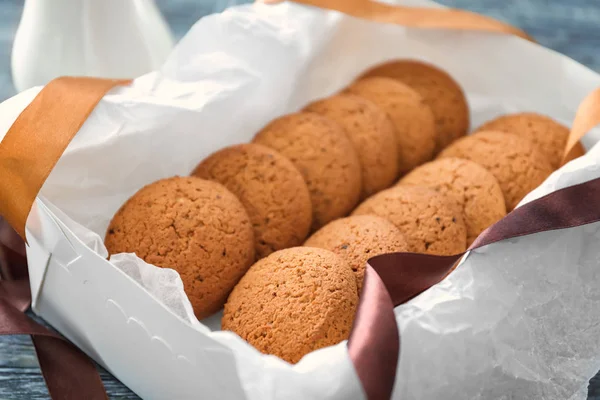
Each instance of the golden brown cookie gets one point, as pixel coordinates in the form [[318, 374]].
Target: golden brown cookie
[[438, 89], [473, 187], [431, 222], [325, 157], [515, 162], [372, 134], [412, 118], [293, 302], [548, 135], [358, 238], [270, 188], [196, 227]]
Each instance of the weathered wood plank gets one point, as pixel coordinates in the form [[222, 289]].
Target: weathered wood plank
[[20, 376]]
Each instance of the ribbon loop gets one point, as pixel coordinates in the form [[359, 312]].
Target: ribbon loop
[[586, 119], [417, 17], [38, 138]]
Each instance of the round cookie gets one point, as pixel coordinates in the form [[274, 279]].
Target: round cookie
[[325, 157], [431, 222], [412, 118], [372, 134], [438, 89], [293, 302], [270, 188], [193, 226], [515, 162], [548, 135], [358, 238], [473, 187]]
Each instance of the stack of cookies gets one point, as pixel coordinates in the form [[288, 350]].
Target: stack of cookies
[[278, 231]]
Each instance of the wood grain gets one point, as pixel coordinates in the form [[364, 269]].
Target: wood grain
[[569, 27]]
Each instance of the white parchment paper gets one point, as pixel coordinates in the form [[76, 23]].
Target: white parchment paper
[[517, 320]]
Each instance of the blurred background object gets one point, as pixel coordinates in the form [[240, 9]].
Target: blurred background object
[[43, 39], [568, 27], [108, 38]]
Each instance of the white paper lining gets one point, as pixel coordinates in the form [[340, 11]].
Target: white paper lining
[[516, 320]]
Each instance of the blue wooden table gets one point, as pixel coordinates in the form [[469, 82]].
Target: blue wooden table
[[570, 27]]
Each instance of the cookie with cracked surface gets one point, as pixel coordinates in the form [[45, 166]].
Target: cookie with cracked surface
[[194, 226], [372, 134], [474, 188], [325, 157], [439, 90], [293, 302], [413, 120], [271, 189], [516, 163], [358, 238], [431, 222], [548, 135]]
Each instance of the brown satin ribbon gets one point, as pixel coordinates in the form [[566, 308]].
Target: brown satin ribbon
[[417, 17], [406, 275], [39, 136], [29, 151], [586, 119], [69, 373], [375, 335]]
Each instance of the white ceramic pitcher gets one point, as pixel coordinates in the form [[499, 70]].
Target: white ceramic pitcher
[[104, 38]]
